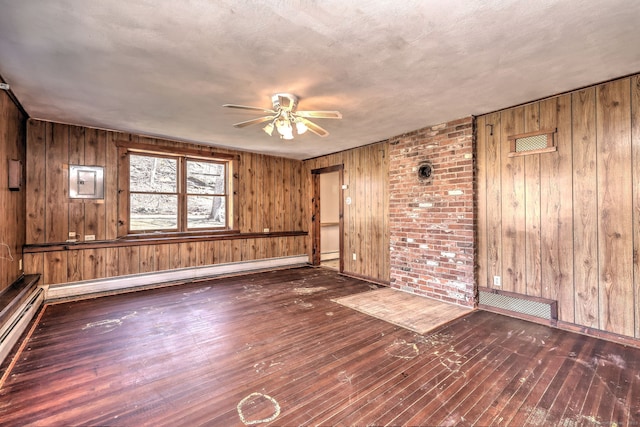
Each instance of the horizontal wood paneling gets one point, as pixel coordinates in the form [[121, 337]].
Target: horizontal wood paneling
[[12, 224], [271, 192], [366, 219], [580, 203]]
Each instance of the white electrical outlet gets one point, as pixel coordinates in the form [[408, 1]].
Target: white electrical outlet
[[89, 237], [265, 230], [497, 281], [355, 258]]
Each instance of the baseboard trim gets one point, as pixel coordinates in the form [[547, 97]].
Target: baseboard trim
[[325, 256], [65, 291], [16, 325], [366, 278]]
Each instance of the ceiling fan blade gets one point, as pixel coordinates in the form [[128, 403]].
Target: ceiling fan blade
[[244, 107], [314, 128], [320, 114], [254, 121]]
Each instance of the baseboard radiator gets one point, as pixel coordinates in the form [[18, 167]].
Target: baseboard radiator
[[15, 326], [118, 284], [517, 305]]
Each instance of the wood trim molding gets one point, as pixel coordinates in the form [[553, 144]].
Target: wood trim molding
[[140, 240], [160, 149], [597, 333]]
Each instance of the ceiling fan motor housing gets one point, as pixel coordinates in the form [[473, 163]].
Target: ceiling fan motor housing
[[280, 99]]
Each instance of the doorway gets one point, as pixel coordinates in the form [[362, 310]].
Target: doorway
[[327, 217]]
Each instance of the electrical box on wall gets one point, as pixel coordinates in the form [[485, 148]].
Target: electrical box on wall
[[15, 175]]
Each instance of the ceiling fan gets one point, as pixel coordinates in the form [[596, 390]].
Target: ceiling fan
[[284, 117]]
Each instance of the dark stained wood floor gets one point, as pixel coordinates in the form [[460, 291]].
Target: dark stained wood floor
[[273, 346]]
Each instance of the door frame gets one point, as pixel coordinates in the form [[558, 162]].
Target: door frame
[[316, 250]]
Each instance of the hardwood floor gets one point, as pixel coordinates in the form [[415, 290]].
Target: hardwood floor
[[272, 346]]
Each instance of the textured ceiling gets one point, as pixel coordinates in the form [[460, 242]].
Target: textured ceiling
[[165, 68]]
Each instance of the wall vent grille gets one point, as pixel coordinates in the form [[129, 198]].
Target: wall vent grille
[[541, 309], [531, 143]]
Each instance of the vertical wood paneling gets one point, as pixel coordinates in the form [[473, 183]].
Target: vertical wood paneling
[[75, 267], [34, 264], [532, 275], [57, 184], [55, 268], [272, 195], [635, 146], [128, 260], [93, 265], [494, 197], [385, 259], [35, 182], [12, 226], [513, 207], [278, 216], [589, 199], [365, 220], [163, 257], [481, 197], [111, 187], [175, 256], [76, 207], [615, 222], [585, 208], [205, 253], [557, 194], [95, 155], [147, 259], [111, 262]]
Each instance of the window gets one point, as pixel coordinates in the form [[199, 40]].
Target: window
[[178, 193]]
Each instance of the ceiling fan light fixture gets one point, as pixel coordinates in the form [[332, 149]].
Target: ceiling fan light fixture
[[285, 115], [301, 127], [268, 129]]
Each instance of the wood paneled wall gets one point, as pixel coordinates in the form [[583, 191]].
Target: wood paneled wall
[[566, 225], [12, 221], [366, 219], [271, 195]]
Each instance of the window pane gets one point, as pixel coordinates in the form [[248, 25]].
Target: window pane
[[153, 212], [205, 211], [205, 177], [152, 174]]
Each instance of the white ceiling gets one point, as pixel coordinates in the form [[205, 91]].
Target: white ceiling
[[165, 68]]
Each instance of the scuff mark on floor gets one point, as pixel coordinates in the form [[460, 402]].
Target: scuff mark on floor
[[261, 367], [309, 291], [255, 405], [403, 350], [303, 304], [197, 291], [108, 325], [344, 378]]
